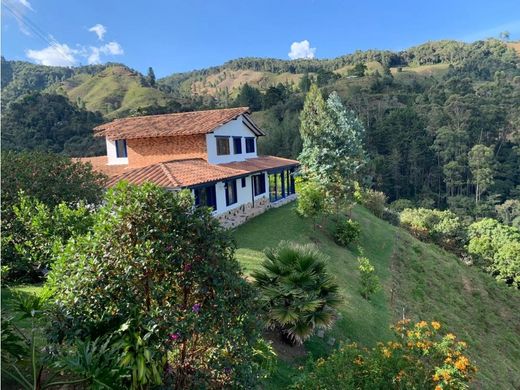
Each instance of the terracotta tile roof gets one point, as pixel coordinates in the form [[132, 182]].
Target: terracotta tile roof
[[182, 123], [185, 173], [99, 164]]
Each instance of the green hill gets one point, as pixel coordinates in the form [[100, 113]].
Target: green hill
[[115, 91], [420, 280]]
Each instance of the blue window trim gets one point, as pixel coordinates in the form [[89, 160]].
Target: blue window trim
[[243, 182], [232, 183], [250, 144], [237, 145], [124, 150]]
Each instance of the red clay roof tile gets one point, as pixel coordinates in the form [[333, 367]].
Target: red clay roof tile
[[182, 123], [185, 173]]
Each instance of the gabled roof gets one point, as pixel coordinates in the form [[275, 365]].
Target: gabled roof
[[192, 172], [167, 125]]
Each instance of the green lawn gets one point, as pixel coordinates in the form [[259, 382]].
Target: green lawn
[[418, 278]]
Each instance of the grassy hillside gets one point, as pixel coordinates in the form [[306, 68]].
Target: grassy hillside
[[419, 279], [114, 92]]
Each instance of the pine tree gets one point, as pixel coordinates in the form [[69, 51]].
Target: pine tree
[[150, 77]]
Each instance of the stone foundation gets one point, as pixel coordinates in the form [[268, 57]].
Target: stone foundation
[[241, 214]]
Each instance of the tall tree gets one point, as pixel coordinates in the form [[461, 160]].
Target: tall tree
[[150, 77], [249, 96], [481, 165], [333, 151]]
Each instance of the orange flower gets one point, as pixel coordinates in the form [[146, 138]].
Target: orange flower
[[358, 360], [436, 377], [450, 336], [387, 352], [438, 387], [436, 325], [422, 324], [462, 363]]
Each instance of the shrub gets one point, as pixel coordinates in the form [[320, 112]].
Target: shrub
[[423, 357], [391, 216], [40, 233], [346, 231], [368, 279], [298, 294], [401, 204], [162, 275], [312, 200], [442, 227], [374, 201], [498, 246]]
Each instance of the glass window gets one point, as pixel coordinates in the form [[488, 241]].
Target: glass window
[[250, 145], [259, 184], [121, 148], [237, 145], [206, 196], [231, 192], [243, 182], [222, 146]]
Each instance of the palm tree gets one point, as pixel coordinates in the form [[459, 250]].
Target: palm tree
[[298, 294]]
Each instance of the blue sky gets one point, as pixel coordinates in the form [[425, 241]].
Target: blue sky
[[175, 36]]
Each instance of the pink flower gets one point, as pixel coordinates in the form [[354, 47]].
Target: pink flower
[[196, 307], [174, 336], [187, 267]]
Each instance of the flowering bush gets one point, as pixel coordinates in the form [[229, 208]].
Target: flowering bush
[[422, 357], [160, 275]]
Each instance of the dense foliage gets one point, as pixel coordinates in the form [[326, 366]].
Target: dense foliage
[[41, 193], [50, 123], [161, 275], [498, 246], [299, 296], [422, 357], [346, 231]]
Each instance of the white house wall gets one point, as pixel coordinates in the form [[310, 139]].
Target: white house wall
[[244, 195], [112, 154], [234, 128]]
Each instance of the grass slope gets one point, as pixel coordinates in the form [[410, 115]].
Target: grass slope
[[114, 92], [419, 278]]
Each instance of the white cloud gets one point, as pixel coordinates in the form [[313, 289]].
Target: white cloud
[[99, 29], [301, 50], [19, 9], [111, 48], [55, 55]]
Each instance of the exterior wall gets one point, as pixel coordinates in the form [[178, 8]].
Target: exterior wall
[[112, 155], [146, 151], [239, 215], [233, 128]]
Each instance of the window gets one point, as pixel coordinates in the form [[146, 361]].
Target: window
[[237, 145], [206, 196], [231, 192], [243, 182], [259, 184], [250, 145], [121, 148], [222, 146]]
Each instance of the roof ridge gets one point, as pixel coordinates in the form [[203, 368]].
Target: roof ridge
[[244, 108], [168, 174]]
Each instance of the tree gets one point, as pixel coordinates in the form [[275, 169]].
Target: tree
[[358, 70], [480, 159], [249, 97], [305, 83], [333, 152], [504, 35], [150, 77], [312, 200], [368, 279], [298, 294], [159, 275]]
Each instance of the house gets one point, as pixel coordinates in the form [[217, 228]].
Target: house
[[213, 153]]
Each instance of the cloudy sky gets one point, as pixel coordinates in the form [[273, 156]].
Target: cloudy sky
[[174, 36]]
